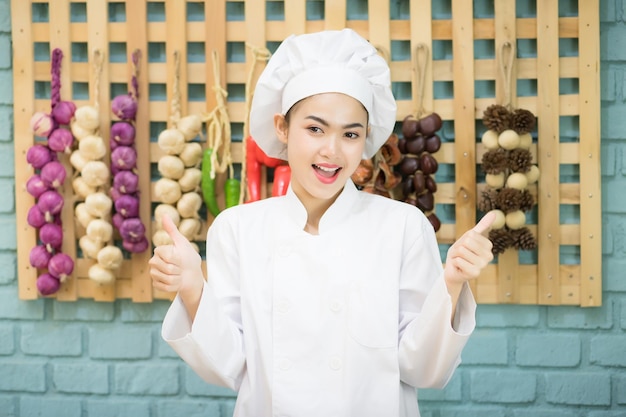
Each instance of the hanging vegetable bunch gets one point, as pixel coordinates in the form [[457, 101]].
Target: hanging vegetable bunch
[[45, 185], [376, 175], [90, 184], [218, 141], [125, 190], [178, 188], [509, 171]]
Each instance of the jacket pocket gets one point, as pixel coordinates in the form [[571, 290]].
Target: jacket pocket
[[373, 315]]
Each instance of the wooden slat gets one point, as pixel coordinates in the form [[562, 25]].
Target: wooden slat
[[335, 14], [590, 182], [548, 152], [421, 34], [295, 17], [215, 33]]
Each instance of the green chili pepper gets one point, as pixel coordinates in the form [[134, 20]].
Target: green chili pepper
[[232, 190], [208, 184]]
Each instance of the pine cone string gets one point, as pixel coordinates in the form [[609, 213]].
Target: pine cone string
[[494, 161]]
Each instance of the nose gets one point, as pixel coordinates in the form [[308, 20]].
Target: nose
[[331, 145]]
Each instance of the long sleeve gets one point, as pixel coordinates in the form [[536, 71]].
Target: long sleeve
[[429, 346], [213, 344]]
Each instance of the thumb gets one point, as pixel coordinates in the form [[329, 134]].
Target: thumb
[[485, 223], [172, 231]]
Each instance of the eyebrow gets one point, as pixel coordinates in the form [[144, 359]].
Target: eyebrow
[[325, 123]]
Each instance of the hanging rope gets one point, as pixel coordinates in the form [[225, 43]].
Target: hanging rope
[[55, 77], [506, 68], [259, 54], [98, 59], [136, 55], [175, 106], [420, 60]]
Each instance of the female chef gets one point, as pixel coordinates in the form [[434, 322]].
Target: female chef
[[327, 301]]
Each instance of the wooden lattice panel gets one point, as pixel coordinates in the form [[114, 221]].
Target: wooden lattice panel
[[453, 32]]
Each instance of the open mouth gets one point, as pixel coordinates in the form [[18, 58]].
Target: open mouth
[[326, 172]]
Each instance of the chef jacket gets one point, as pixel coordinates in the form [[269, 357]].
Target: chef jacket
[[344, 323]]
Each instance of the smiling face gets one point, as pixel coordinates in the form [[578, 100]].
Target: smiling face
[[325, 136]]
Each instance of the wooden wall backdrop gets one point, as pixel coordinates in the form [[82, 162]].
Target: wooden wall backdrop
[[236, 29]]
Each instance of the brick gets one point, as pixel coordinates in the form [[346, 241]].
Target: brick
[[570, 317], [117, 408], [580, 388], [613, 43], [6, 81], [611, 119], [5, 16], [147, 380], [548, 350], [607, 238], [120, 343], [83, 310], [622, 319], [620, 389], [195, 386], [7, 340], [6, 121], [163, 349], [608, 350], [143, 312], [486, 347], [21, 376], [614, 270], [7, 191], [5, 52], [8, 405], [50, 407], [502, 387], [609, 156], [13, 308], [8, 237], [227, 408], [507, 316], [51, 339], [608, 12], [451, 393], [462, 411], [202, 408], [606, 414], [614, 198], [535, 412], [82, 378], [608, 87], [8, 268]]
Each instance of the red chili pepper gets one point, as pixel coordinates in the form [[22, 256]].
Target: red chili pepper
[[282, 176], [253, 170]]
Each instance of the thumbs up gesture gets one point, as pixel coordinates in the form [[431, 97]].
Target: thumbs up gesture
[[176, 267], [470, 253]]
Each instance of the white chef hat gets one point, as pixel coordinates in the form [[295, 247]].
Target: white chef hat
[[323, 62]]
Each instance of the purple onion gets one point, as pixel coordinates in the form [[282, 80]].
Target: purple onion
[[113, 144], [38, 156], [132, 230], [124, 158], [36, 186], [114, 193], [42, 124], [117, 220], [47, 284], [136, 247], [124, 107], [127, 206], [126, 182], [39, 257], [60, 266], [35, 217], [51, 235], [61, 140], [123, 133], [53, 174], [63, 112], [50, 203]]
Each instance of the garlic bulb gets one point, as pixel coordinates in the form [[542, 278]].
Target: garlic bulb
[[82, 215], [190, 126], [167, 191], [100, 230], [166, 210], [87, 117], [172, 141], [191, 154], [190, 181], [92, 148], [77, 160], [171, 166], [98, 204], [190, 228], [78, 131], [89, 247], [100, 274], [110, 257], [189, 204], [81, 188], [95, 173], [161, 238]]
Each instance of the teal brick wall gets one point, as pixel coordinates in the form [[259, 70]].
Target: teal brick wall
[[88, 359]]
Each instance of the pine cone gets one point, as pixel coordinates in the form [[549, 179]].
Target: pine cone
[[523, 121], [494, 161], [523, 239], [501, 240], [488, 200], [497, 117], [520, 160], [509, 199], [527, 201]]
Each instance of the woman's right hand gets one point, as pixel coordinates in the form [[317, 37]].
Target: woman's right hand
[[178, 268]]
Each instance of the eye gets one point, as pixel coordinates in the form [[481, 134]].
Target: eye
[[352, 135], [314, 129]]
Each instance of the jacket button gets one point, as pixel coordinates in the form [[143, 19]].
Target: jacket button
[[284, 364], [335, 306], [282, 306], [334, 363], [284, 251]]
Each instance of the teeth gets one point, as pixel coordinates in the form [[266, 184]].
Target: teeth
[[326, 168]]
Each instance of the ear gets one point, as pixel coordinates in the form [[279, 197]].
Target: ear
[[281, 128]]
